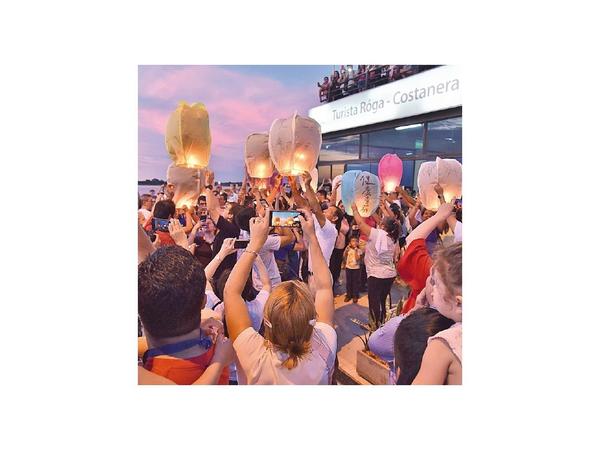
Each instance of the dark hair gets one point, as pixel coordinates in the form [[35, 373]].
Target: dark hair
[[224, 195], [235, 209], [323, 192], [410, 340], [171, 286], [248, 294], [164, 209], [201, 198], [392, 227], [242, 218]]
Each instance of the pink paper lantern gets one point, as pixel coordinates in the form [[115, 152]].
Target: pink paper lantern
[[390, 172]]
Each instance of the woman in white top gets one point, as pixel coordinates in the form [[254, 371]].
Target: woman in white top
[[379, 261], [300, 343]]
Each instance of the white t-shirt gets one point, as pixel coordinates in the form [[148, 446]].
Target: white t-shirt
[[258, 364], [379, 255], [326, 237], [255, 309], [147, 214], [211, 299], [458, 232], [267, 255]]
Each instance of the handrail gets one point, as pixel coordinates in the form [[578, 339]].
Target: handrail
[[337, 92]]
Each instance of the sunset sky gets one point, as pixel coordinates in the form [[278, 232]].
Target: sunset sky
[[240, 100]]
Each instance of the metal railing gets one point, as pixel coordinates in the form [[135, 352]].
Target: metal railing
[[367, 79]]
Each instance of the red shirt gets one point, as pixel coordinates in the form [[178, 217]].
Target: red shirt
[[414, 268], [185, 371]]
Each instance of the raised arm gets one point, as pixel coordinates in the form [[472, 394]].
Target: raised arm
[[298, 199], [212, 204], [440, 193], [362, 225], [263, 275], [226, 250], [321, 275], [412, 220], [236, 312], [275, 190], [312, 199], [426, 227], [407, 198]]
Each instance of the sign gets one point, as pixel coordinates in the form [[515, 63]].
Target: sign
[[433, 90]]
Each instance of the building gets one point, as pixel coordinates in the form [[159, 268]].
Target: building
[[417, 118]]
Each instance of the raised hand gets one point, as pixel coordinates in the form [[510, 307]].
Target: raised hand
[[439, 190], [259, 230], [177, 233], [445, 210], [228, 247], [307, 222]]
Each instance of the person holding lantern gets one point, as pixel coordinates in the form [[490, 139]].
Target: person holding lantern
[[379, 261]]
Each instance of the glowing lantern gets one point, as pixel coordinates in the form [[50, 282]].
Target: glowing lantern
[[294, 144], [257, 158], [366, 193], [188, 136], [446, 172], [348, 180], [188, 184], [390, 172]]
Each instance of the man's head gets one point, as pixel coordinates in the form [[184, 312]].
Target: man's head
[[222, 199], [334, 215], [231, 211], [147, 202], [165, 209], [322, 195], [242, 219], [171, 286]]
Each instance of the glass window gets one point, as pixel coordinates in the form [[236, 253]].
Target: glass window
[[367, 167], [324, 172], [336, 169], [444, 137], [404, 140], [339, 149], [408, 173]]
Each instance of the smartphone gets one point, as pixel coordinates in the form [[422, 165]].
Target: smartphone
[[239, 243], [202, 217], [285, 219], [161, 224]]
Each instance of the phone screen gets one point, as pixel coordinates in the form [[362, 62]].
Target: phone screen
[[285, 219], [161, 224], [240, 243]]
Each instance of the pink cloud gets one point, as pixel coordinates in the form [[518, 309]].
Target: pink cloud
[[238, 104]]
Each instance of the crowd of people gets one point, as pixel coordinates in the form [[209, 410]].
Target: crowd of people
[[347, 80], [224, 297]]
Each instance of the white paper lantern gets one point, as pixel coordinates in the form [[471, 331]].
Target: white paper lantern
[[366, 193], [188, 184], [294, 144], [336, 184], [187, 136], [445, 172], [257, 157], [314, 182]]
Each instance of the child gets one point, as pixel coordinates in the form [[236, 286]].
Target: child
[[352, 256]]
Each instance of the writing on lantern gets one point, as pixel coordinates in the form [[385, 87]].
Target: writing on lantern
[[365, 182]]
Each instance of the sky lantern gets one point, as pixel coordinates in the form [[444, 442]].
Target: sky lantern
[[188, 184], [390, 172], [446, 172], [257, 158], [367, 191], [337, 183], [314, 182], [347, 190], [187, 136], [294, 144]]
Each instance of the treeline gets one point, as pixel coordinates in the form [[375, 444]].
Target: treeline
[[152, 182]]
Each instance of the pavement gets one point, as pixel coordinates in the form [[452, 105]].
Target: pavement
[[348, 331]]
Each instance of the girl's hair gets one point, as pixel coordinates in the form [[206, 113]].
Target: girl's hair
[[447, 261], [392, 227], [248, 294], [289, 310], [411, 338]]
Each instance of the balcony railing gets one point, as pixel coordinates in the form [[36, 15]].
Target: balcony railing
[[373, 77]]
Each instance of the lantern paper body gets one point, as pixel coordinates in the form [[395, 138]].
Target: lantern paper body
[[446, 172], [294, 144], [188, 136], [257, 157], [188, 184], [390, 172], [337, 183], [347, 189], [366, 193]]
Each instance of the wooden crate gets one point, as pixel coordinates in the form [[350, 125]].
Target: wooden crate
[[372, 370]]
